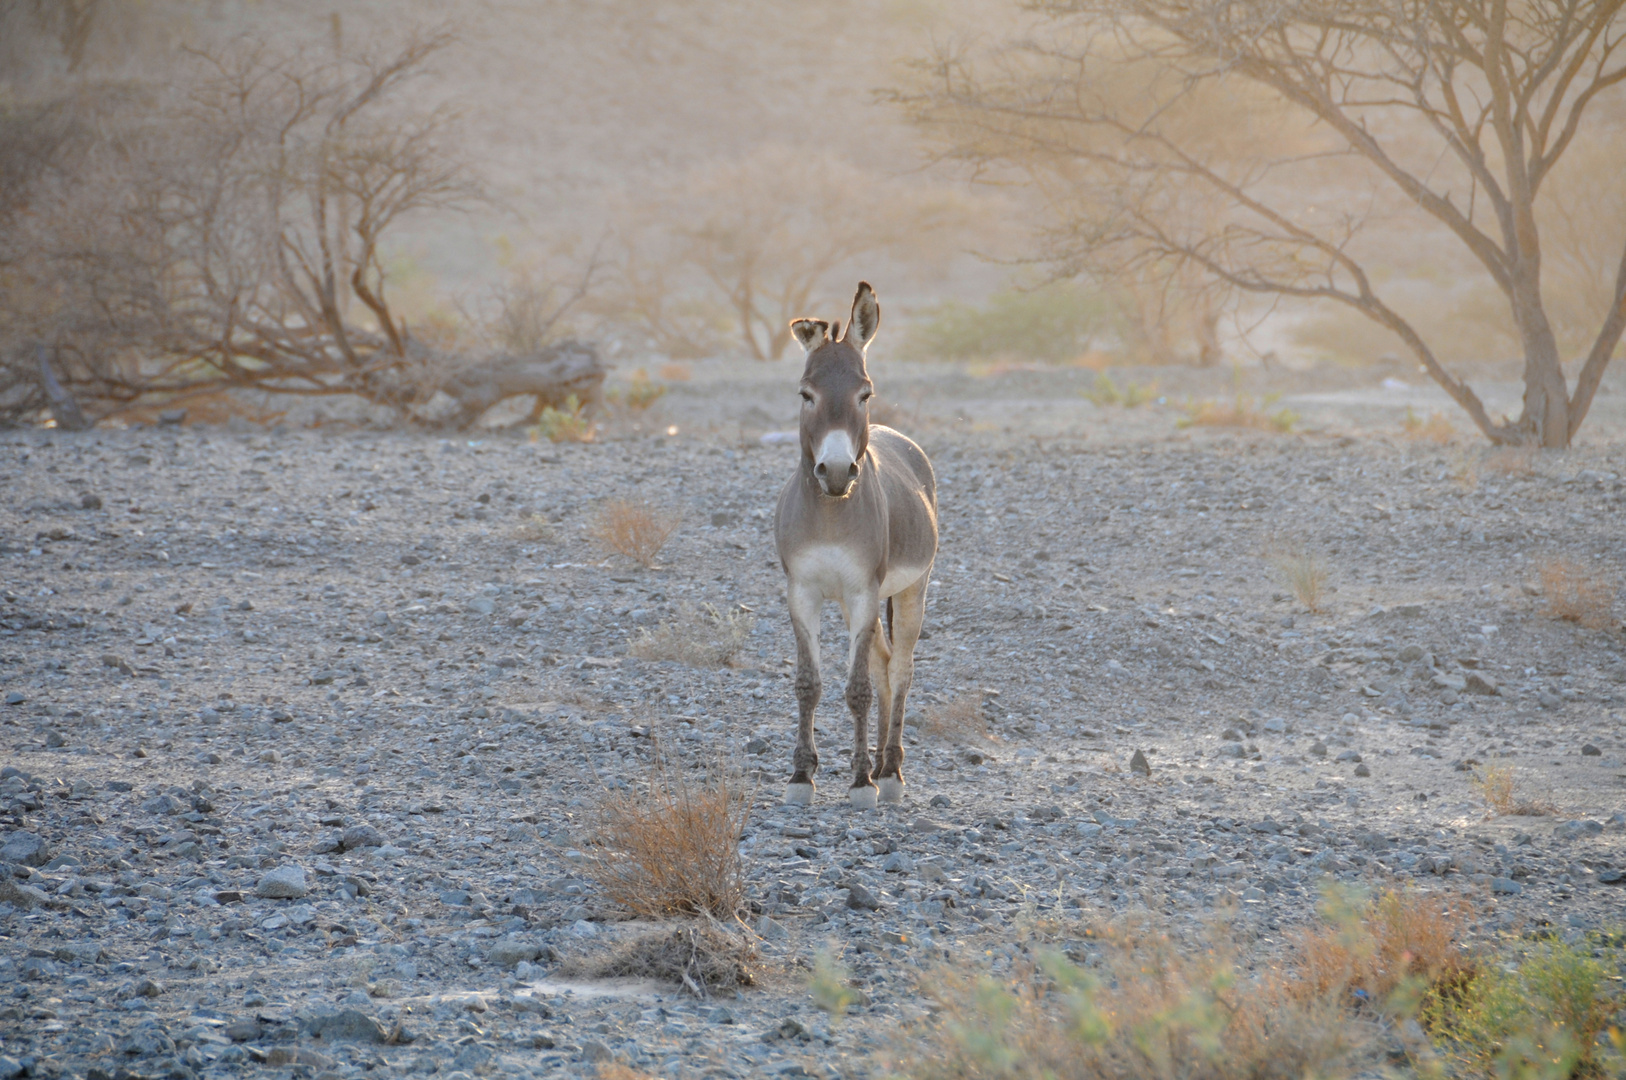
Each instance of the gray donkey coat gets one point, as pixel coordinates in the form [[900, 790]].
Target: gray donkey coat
[[857, 524]]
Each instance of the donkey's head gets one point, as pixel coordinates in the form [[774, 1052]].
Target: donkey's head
[[836, 392]]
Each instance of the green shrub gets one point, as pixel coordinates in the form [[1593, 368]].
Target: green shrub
[[1541, 1016], [1052, 324], [569, 424], [1105, 392]]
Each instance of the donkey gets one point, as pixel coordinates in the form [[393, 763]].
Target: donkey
[[857, 524]]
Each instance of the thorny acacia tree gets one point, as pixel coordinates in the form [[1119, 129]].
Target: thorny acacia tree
[[221, 234], [1462, 107]]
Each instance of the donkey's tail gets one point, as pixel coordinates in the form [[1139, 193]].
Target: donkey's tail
[[889, 620]]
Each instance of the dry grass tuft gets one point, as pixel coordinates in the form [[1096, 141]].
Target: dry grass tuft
[[534, 527], [1241, 413], [1577, 593], [675, 849], [1495, 785], [960, 720], [1304, 574], [704, 959], [614, 1070], [699, 637], [1385, 951], [635, 530], [1152, 1008], [1436, 429]]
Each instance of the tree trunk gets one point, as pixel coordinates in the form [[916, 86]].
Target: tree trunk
[[1546, 394], [64, 408], [552, 376]]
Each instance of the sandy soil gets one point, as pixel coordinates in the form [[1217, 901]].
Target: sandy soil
[[360, 653]]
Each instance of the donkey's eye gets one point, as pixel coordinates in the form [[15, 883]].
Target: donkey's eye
[[865, 396], [807, 396]]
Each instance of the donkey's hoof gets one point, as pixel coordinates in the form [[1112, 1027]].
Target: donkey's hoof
[[891, 788], [862, 798], [798, 794]]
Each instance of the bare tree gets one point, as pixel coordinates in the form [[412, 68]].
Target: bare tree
[[1462, 108], [232, 233], [764, 232]]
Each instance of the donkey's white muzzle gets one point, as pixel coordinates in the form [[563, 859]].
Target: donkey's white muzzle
[[835, 465]]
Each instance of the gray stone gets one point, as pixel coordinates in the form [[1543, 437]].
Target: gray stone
[[509, 951], [1591, 751], [1362, 770], [1480, 683], [596, 1052], [286, 882], [27, 848], [350, 1024], [1350, 756], [861, 899], [1139, 764], [1575, 830], [897, 863], [1506, 887], [360, 836], [1319, 749], [149, 988], [243, 1029]]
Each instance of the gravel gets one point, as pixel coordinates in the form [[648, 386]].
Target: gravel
[[310, 737]]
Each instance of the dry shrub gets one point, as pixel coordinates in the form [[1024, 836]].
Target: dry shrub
[[1157, 1009], [1304, 574], [676, 848], [569, 424], [960, 720], [705, 959], [640, 392], [1495, 785], [1436, 429], [636, 530], [699, 637], [614, 1070], [1384, 950], [1577, 593], [1242, 413]]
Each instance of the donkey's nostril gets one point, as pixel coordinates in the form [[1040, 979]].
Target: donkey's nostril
[[820, 469], [852, 470]]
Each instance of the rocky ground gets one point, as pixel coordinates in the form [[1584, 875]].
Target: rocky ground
[[305, 730]]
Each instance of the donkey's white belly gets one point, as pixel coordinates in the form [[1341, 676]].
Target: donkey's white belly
[[836, 573]]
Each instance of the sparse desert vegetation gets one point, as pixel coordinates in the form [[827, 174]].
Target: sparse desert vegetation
[[396, 676], [1580, 594], [635, 530]]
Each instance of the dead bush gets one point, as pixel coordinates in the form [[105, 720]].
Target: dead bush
[[1152, 1008], [1304, 574], [1495, 785], [704, 959], [675, 848], [535, 528], [959, 720], [699, 637], [635, 530], [1241, 413], [1403, 942], [1578, 593]]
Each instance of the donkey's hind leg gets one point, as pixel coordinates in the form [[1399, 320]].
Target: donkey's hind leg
[[880, 677], [908, 613]]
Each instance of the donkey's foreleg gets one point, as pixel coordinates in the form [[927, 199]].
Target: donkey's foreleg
[[862, 624], [880, 657], [908, 613], [804, 620]]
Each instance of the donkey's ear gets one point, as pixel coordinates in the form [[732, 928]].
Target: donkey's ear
[[810, 333], [866, 318]]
